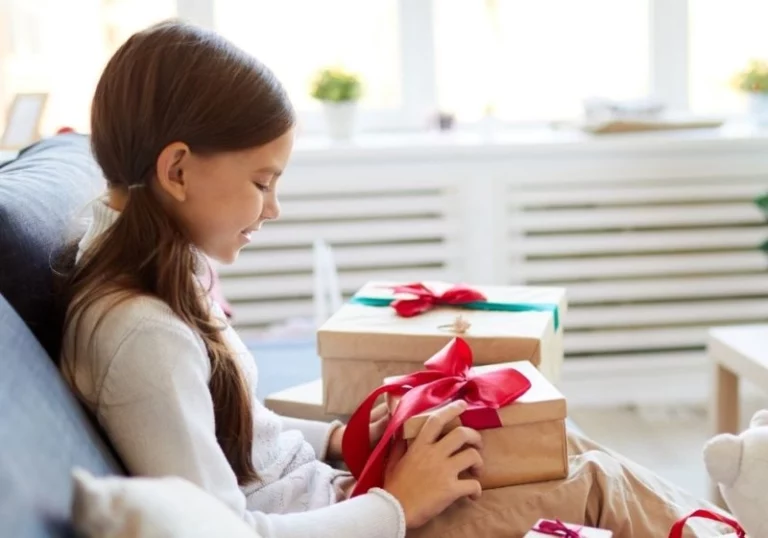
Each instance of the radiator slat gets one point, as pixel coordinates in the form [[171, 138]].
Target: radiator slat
[[271, 312], [669, 289], [300, 285], [255, 262], [643, 241], [572, 270], [628, 340], [398, 230], [673, 313], [362, 208], [599, 218], [590, 194]]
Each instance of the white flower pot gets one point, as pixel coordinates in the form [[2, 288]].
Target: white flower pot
[[757, 106], [340, 118]]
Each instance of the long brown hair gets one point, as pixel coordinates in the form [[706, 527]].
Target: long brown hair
[[174, 82]]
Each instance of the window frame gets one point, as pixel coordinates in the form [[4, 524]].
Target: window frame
[[668, 65], [417, 84]]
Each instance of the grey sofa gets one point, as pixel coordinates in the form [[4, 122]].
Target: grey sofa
[[44, 431]]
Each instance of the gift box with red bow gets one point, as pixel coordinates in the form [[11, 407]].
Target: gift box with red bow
[[387, 329], [519, 414], [546, 528]]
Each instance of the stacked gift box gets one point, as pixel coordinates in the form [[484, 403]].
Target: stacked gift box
[[388, 330], [523, 441], [368, 339]]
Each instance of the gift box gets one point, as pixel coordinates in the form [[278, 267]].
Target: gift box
[[520, 416], [546, 528], [387, 329], [530, 444]]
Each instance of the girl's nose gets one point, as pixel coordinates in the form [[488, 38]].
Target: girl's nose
[[271, 209]]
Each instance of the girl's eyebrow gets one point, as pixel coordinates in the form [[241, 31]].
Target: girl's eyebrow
[[270, 170]]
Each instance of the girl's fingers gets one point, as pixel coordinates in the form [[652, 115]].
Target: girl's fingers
[[379, 412]]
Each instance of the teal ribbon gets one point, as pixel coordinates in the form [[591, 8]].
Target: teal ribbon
[[476, 305]]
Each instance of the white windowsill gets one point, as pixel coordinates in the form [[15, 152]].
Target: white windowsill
[[519, 142], [530, 142]]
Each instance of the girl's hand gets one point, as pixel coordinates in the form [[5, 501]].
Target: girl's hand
[[426, 478], [379, 421]]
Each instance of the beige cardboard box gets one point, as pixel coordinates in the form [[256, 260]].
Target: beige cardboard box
[[360, 345], [531, 444]]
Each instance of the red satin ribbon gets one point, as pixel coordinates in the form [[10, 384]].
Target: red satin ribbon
[[677, 528], [447, 377], [557, 528], [422, 298]]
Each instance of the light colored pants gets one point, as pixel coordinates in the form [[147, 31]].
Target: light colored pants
[[603, 490]]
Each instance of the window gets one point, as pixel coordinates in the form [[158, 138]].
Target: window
[[61, 47], [538, 60], [724, 37], [297, 37], [523, 60]]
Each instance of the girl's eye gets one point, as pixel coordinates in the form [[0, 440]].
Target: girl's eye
[[261, 186]]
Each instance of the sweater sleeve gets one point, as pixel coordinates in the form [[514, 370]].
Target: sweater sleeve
[[316, 433], [157, 410]]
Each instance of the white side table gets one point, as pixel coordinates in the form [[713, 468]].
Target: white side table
[[302, 401], [735, 352]]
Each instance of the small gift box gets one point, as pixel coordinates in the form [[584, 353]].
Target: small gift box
[[520, 416], [527, 442], [546, 528], [387, 329]]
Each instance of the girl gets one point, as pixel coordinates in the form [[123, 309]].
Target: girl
[[193, 135]]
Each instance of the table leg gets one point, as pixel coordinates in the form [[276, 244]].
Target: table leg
[[725, 412]]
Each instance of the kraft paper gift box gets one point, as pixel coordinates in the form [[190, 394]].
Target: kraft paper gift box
[[530, 446], [361, 344], [546, 528]]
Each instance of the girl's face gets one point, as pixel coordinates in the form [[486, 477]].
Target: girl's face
[[221, 200]]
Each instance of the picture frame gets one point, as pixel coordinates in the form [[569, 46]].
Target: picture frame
[[22, 126]]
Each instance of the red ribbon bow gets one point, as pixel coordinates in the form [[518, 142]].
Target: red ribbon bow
[[447, 377], [422, 298], [557, 528], [677, 528]]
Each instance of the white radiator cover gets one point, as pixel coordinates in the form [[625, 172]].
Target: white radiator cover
[[655, 237]]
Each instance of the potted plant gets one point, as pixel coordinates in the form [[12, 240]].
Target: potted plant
[[339, 91], [754, 82]]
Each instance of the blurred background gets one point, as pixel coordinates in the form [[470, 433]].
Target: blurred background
[[612, 147], [518, 61]]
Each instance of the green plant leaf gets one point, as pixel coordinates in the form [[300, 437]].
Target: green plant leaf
[[753, 79], [762, 202], [336, 85]]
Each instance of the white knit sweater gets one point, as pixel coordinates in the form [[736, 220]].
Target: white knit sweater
[[144, 374]]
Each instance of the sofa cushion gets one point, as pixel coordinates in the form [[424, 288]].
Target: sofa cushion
[[45, 433], [42, 192], [168, 507]]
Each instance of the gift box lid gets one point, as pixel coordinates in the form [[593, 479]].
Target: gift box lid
[[363, 332], [542, 402], [584, 532]]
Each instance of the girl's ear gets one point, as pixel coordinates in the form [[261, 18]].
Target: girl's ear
[[170, 170]]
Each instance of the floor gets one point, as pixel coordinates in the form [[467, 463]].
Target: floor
[[667, 440]]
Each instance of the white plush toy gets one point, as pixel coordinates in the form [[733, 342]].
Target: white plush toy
[[739, 464]]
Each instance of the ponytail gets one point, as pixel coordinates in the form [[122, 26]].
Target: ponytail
[[145, 253]]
